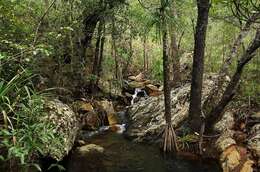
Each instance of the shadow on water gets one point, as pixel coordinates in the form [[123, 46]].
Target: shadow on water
[[121, 155]]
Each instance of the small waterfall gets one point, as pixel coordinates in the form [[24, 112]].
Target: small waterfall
[[138, 90]]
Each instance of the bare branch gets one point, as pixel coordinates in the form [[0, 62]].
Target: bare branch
[[40, 22]]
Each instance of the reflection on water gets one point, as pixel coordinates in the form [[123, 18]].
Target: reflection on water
[[122, 155]]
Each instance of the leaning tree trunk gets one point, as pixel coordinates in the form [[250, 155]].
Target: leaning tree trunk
[[215, 92], [195, 113], [230, 91]]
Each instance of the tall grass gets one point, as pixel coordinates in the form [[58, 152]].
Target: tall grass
[[23, 132]]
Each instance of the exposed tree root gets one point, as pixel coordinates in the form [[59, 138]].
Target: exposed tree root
[[169, 139]]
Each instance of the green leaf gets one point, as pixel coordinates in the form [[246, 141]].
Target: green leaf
[[2, 158], [36, 166], [60, 167]]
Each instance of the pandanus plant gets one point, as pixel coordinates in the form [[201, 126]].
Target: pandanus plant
[[169, 136]]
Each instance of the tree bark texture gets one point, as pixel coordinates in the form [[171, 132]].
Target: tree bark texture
[[195, 113]]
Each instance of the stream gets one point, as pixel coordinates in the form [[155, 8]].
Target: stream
[[122, 155]]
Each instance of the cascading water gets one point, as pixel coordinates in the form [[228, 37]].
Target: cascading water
[[137, 91]]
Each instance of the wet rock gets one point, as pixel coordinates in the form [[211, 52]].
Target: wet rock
[[225, 140], [240, 137], [91, 121], [91, 148], [112, 119], [230, 158], [153, 90], [87, 107], [247, 166], [146, 118], [254, 142], [81, 142], [135, 84], [138, 78], [106, 106], [226, 123], [82, 107], [66, 127]]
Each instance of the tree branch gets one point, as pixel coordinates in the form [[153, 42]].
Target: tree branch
[[40, 22]]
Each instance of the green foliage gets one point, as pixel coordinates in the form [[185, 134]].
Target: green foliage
[[157, 70], [24, 134]]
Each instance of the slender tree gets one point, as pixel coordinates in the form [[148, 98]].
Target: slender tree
[[174, 50], [114, 48], [145, 53], [195, 113], [230, 91], [169, 143], [101, 53]]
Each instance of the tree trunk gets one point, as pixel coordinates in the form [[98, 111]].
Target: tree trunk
[[91, 21], [230, 91], [169, 136], [195, 113], [114, 48], [97, 49], [101, 54], [174, 51], [129, 59], [90, 26], [96, 59], [145, 53], [176, 78], [215, 92], [166, 74]]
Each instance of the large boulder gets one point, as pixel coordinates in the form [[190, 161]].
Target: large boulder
[[66, 128], [147, 116], [254, 142], [226, 123], [108, 108], [232, 157]]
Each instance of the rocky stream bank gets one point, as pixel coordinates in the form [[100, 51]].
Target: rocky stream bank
[[95, 131]]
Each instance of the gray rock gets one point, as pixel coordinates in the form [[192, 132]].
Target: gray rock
[[226, 123], [147, 116], [66, 128], [225, 140], [254, 141]]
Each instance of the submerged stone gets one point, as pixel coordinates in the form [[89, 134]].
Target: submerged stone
[[90, 148]]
